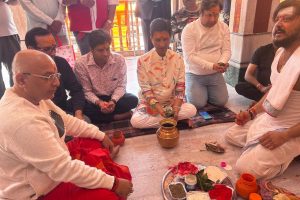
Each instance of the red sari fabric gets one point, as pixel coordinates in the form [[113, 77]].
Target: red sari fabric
[[92, 153]]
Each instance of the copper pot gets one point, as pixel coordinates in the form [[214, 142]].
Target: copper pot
[[168, 134]]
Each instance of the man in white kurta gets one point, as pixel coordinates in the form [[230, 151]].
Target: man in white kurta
[[272, 139]]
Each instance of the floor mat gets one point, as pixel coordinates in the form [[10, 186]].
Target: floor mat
[[218, 114]]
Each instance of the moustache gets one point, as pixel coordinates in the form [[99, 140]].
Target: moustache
[[279, 30]]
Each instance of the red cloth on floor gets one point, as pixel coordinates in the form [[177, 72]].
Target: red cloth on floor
[[92, 153]]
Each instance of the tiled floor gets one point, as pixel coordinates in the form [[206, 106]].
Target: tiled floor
[[148, 161]]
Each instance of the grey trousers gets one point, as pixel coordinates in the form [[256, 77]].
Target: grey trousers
[[9, 46]]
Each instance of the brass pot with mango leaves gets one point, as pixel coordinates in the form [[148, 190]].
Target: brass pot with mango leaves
[[167, 133]]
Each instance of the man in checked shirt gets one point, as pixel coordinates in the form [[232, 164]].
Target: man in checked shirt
[[102, 74]]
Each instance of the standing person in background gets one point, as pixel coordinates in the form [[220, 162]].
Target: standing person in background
[[48, 14], [206, 52], [89, 15], [149, 10], [258, 74], [190, 12], [226, 11], [9, 40]]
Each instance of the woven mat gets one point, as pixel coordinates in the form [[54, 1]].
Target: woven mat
[[219, 115]]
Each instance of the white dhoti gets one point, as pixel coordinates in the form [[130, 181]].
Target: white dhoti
[[141, 119], [256, 159]]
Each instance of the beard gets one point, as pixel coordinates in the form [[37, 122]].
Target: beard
[[288, 41]]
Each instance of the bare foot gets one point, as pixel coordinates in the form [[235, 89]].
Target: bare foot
[[123, 116], [115, 152]]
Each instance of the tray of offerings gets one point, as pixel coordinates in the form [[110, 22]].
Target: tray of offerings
[[194, 181]]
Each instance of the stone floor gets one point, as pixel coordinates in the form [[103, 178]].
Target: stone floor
[[149, 162]]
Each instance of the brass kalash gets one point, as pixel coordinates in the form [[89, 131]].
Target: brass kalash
[[167, 133]]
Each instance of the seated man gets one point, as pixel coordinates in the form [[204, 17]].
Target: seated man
[[161, 78], [35, 161], [42, 40], [206, 52], [103, 78], [258, 74], [272, 140], [190, 12]]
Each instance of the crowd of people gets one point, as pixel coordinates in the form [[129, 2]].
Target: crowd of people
[[48, 100]]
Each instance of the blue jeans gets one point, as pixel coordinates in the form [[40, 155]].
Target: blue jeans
[[203, 89]]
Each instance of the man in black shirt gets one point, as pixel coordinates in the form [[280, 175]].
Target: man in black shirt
[[258, 73], [42, 40]]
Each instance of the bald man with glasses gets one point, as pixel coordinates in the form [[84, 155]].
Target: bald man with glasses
[[36, 163]]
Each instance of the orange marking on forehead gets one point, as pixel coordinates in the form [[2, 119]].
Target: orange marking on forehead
[[47, 40]]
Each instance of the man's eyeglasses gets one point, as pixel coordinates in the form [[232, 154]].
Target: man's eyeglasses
[[51, 77], [47, 49], [285, 18]]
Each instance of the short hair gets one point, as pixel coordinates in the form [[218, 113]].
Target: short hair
[[98, 37], [31, 34], [160, 25], [286, 4], [208, 4]]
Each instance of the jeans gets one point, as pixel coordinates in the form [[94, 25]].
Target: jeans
[[203, 89]]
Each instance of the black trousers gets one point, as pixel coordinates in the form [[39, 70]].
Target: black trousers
[[9, 46], [125, 104], [160, 10], [249, 91]]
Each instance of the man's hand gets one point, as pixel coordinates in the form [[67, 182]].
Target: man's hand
[[103, 105], [220, 67], [160, 109], [111, 106], [108, 25], [79, 115], [273, 139], [55, 27], [242, 118], [88, 3], [107, 143], [265, 89], [124, 188], [176, 110]]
